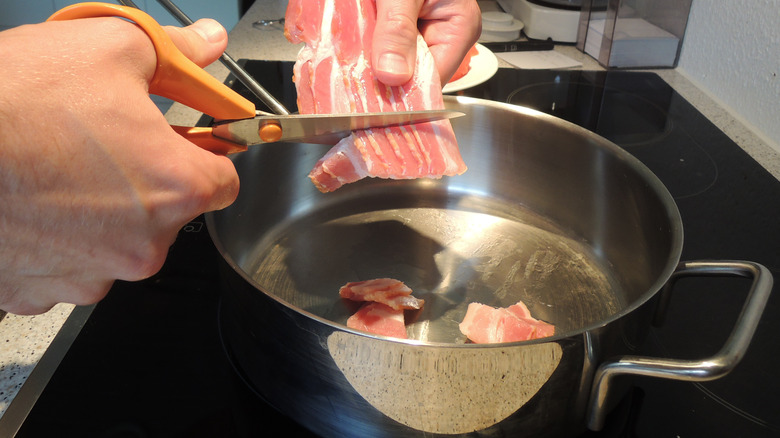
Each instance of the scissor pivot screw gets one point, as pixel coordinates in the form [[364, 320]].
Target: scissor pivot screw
[[270, 132]]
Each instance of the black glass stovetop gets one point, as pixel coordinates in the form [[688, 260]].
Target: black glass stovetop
[[149, 361]]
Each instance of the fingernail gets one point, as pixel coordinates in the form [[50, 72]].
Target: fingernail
[[393, 63], [210, 30]]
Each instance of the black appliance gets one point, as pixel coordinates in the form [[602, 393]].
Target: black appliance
[[149, 361]]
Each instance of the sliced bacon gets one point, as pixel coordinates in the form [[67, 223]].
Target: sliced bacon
[[386, 299], [379, 319], [333, 75], [388, 291], [485, 324], [465, 65], [543, 329]]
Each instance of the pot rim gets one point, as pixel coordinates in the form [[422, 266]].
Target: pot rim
[[632, 162]]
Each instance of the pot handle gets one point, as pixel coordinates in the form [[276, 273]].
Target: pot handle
[[710, 368]]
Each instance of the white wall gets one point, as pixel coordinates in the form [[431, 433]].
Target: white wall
[[732, 50]]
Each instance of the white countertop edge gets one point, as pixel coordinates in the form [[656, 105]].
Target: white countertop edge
[[721, 115], [23, 341]]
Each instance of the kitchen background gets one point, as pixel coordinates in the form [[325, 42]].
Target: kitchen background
[[731, 49]]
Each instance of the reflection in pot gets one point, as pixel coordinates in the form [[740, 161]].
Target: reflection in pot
[[443, 390]]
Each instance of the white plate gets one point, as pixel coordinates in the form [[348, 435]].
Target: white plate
[[482, 67]]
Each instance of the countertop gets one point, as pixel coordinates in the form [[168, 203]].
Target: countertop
[[32, 346]]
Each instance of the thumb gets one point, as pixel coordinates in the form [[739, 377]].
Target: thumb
[[203, 41], [394, 46]]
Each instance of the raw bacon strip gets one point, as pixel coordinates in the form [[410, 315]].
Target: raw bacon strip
[[379, 319], [485, 324], [383, 290], [333, 75], [465, 65]]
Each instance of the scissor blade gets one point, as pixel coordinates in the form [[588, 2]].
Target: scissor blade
[[321, 128]]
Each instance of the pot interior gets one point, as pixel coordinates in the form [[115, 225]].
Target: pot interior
[[547, 213]]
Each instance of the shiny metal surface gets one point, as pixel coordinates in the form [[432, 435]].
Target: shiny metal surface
[[322, 128], [547, 213], [709, 368]]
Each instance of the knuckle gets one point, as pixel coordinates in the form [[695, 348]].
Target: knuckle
[[214, 188], [90, 293], [146, 260], [402, 25]]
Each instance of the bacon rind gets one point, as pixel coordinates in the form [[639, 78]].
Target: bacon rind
[[388, 291]]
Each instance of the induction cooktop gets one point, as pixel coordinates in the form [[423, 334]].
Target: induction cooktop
[[149, 361]]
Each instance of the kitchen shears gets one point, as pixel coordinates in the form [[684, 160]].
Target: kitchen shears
[[237, 122]]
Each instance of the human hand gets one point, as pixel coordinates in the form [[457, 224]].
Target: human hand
[[450, 27], [94, 184]]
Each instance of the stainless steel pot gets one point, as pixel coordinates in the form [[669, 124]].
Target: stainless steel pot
[[547, 213]]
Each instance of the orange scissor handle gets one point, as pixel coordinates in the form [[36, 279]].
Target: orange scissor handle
[[176, 76], [203, 138]]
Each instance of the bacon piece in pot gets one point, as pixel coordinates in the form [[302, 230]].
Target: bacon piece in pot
[[388, 291], [333, 75], [384, 313], [485, 324], [542, 329], [379, 319]]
